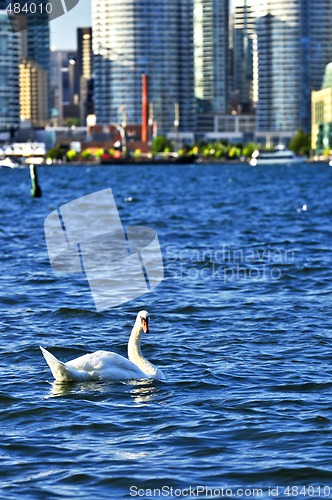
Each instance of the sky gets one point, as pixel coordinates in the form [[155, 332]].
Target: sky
[[63, 29]]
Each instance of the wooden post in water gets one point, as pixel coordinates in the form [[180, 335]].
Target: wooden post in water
[[35, 188]]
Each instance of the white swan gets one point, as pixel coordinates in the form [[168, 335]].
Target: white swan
[[105, 365]]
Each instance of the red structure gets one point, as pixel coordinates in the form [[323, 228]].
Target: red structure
[[145, 109]]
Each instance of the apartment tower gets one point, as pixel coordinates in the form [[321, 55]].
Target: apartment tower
[[211, 37], [293, 48], [244, 84], [9, 76], [136, 37], [84, 63]]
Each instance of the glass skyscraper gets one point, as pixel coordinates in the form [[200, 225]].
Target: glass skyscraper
[[31, 30], [9, 75], [212, 55], [293, 48], [136, 37], [244, 85], [38, 39], [34, 26]]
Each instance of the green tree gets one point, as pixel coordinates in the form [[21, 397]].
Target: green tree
[[71, 155], [56, 153], [72, 122], [98, 153], [201, 145], [234, 153], [161, 144], [300, 143], [248, 150], [86, 154]]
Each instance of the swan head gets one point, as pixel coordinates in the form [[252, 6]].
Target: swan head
[[142, 321]]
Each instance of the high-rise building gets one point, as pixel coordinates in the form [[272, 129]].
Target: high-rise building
[[84, 52], [33, 23], [84, 63], [293, 48], [9, 76], [32, 29], [321, 115], [244, 83], [136, 37], [211, 37], [33, 93], [64, 84], [38, 41]]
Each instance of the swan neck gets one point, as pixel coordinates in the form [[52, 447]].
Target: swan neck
[[135, 354], [134, 345]]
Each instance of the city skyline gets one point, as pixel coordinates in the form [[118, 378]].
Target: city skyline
[[196, 63]]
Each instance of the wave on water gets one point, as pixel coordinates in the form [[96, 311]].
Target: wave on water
[[247, 400]]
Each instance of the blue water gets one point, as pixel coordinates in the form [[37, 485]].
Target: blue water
[[240, 326]]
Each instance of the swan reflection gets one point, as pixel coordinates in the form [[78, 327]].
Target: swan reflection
[[65, 388], [144, 391]]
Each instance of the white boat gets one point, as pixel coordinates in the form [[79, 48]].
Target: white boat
[[7, 162], [278, 156]]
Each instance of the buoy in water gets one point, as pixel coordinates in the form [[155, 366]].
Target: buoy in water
[[35, 188]]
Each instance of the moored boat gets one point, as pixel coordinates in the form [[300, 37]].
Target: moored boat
[[278, 156], [7, 162]]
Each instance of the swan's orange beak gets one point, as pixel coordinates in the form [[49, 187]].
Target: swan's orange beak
[[145, 325]]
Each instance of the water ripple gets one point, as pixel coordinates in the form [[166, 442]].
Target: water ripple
[[247, 401]]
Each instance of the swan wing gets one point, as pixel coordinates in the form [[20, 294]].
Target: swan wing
[[106, 365], [60, 371]]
